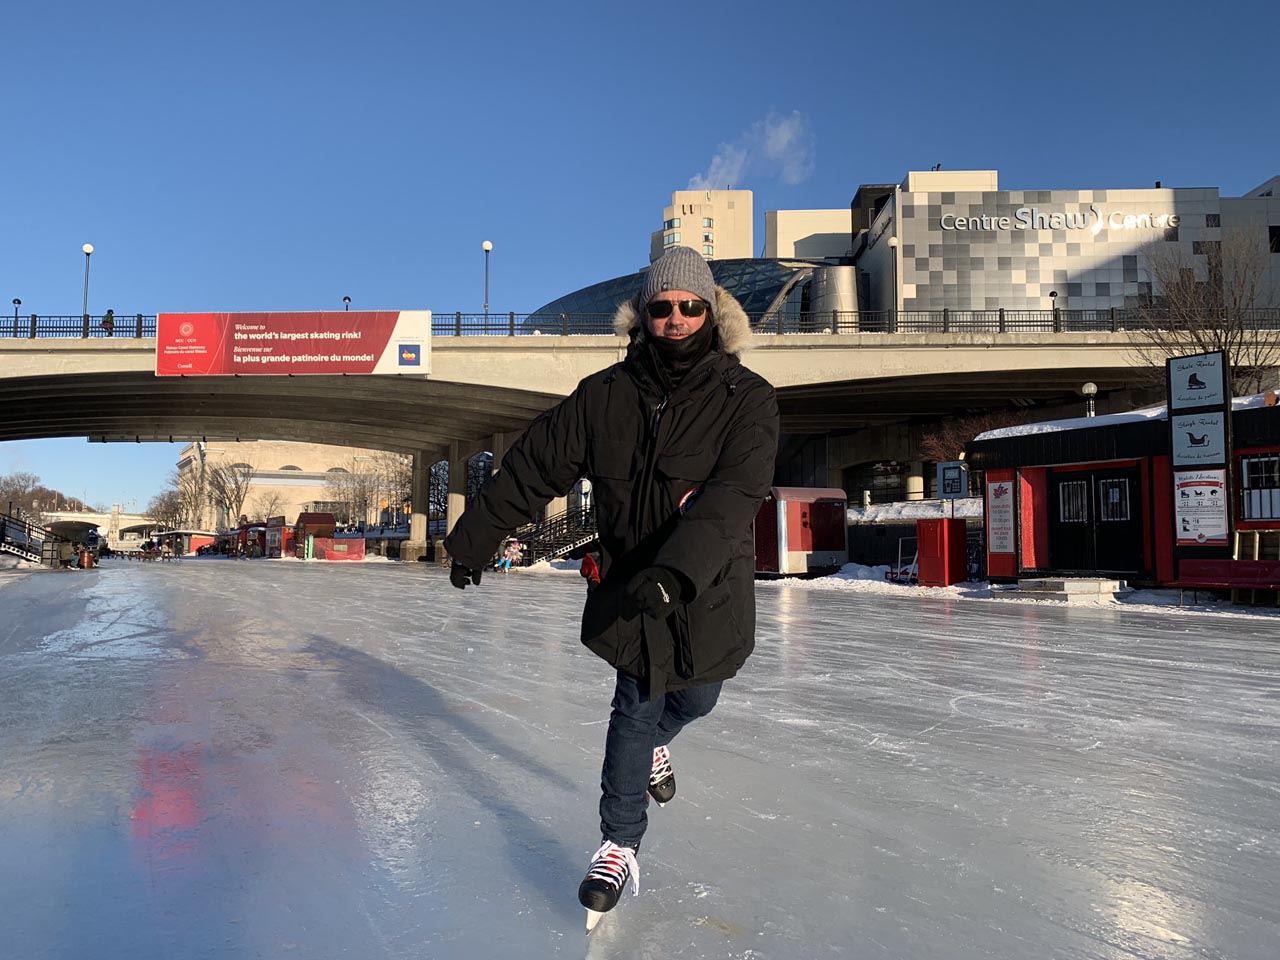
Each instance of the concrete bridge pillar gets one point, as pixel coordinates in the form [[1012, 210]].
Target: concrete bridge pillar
[[498, 446], [457, 485], [915, 480], [419, 493]]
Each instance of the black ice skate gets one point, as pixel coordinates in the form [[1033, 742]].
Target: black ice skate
[[611, 868], [662, 779], [1195, 383]]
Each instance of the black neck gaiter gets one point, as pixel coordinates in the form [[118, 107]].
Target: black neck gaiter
[[675, 358]]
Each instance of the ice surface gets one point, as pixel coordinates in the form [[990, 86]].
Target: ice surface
[[252, 759]]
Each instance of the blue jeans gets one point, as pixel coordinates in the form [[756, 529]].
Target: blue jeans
[[636, 726]]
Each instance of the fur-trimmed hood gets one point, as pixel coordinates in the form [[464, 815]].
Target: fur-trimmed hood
[[727, 317]]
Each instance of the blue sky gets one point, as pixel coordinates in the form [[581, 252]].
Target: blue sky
[[281, 155]]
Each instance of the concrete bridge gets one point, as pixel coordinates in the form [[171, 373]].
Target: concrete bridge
[[483, 390], [76, 524], [104, 389]]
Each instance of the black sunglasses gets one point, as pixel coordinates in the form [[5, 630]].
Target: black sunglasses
[[661, 309]]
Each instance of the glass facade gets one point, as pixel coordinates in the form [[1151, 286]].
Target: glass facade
[[759, 285]]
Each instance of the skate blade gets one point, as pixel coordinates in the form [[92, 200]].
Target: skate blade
[[593, 917]]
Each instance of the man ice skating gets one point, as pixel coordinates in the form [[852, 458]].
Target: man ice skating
[[679, 442]]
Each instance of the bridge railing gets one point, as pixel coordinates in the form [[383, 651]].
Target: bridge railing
[[997, 320], [84, 326]]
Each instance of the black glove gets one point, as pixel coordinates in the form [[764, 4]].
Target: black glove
[[460, 573], [654, 591]]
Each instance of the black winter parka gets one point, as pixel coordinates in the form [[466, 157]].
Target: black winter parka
[[677, 477]]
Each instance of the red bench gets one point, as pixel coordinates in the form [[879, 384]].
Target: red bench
[[1230, 575]]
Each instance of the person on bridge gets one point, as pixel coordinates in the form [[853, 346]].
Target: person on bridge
[[679, 442]]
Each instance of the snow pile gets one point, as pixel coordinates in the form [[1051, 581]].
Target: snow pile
[[552, 566], [903, 510], [1106, 420], [863, 579]]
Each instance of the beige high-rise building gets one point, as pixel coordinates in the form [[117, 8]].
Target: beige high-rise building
[[716, 223], [812, 234]]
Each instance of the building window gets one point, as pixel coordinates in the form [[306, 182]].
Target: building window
[[1073, 501], [1171, 234], [671, 224], [670, 239], [708, 238], [1275, 239], [708, 250], [1260, 496], [1113, 499], [1213, 219], [708, 223], [1204, 247]]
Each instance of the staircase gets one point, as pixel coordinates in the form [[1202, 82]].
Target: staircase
[[21, 536], [556, 535]]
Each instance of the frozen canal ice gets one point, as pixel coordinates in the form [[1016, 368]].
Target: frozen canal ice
[[221, 759]]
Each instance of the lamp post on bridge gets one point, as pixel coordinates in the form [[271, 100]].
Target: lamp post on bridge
[[346, 303], [88, 252], [16, 304], [487, 247]]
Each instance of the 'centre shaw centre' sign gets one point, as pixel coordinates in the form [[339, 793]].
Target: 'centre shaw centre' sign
[[330, 342]]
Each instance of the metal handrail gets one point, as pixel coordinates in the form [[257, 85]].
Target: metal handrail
[[85, 326], [556, 534], [21, 535], [997, 320]]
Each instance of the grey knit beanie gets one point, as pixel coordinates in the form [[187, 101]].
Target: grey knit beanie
[[680, 268]]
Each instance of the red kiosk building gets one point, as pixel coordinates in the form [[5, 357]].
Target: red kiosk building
[[1102, 496]]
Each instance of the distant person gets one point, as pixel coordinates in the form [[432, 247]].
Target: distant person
[[679, 442], [109, 322]]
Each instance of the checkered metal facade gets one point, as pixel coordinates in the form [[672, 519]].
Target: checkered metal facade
[[1090, 268]]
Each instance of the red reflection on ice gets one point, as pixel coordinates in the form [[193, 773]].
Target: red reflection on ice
[[168, 809]]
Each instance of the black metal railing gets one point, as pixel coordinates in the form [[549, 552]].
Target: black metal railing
[[1000, 320], [34, 325], [21, 534], [556, 535]]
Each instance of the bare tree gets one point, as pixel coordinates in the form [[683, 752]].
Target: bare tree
[[946, 440], [1216, 298], [21, 489], [438, 491], [395, 476], [267, 504], [356, 487], [229, 487], [167, 509], [192, 489]]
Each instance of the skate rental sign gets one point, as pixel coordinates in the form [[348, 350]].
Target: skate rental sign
[[327, 342], [1199, 415]]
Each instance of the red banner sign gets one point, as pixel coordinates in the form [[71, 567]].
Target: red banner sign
[[223, 344]]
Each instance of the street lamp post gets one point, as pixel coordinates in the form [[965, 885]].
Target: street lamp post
[[487, 247], [346, 303], [1090, 390], [16, 304], [88, 252]]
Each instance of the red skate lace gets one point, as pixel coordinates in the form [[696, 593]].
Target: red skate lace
[[661, 766]]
